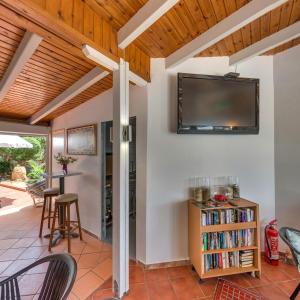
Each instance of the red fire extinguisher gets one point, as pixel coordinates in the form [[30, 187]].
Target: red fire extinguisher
[[271, 243]]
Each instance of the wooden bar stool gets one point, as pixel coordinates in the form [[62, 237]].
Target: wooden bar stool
[[48, 194], [64, 201]]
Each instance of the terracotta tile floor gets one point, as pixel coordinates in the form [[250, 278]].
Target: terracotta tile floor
[[181, 283], [19, 246]]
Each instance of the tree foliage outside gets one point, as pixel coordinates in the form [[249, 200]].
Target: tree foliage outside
[[31, 158]]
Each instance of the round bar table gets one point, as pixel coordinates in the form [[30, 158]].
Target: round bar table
[[61, 215]]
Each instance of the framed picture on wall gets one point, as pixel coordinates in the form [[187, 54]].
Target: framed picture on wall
[[82, 140]]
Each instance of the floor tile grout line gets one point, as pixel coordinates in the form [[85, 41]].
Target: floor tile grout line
[[284, 291], [92, 270], [172, 287]]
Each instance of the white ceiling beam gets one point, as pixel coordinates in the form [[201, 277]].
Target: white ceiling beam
[[99, 58], [139, 81], [110, 64], [142, 20], [245, 15], [268, 43], [25, 50], [75, 89]]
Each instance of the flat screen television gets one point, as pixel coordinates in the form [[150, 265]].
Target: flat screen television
[[217, 104]]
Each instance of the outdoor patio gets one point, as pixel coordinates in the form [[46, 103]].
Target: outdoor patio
[[12, 200]]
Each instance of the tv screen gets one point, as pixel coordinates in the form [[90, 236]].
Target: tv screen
[[217, 104]]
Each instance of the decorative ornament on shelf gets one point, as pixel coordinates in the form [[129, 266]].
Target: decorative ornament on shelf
[[64, 161]]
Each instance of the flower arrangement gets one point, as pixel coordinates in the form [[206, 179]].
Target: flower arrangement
[[64, 161]]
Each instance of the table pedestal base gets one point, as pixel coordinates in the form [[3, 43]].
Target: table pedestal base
[[57, 236]]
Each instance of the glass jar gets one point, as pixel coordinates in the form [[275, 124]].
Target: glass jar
[[201, 189], [218, 186], [233, 183]]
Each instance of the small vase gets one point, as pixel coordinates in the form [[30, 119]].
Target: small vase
[[65, 168]]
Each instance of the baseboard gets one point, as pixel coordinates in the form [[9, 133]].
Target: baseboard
[[90, 233], [177, 263]]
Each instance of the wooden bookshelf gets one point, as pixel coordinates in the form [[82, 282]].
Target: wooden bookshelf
[[196, 229]]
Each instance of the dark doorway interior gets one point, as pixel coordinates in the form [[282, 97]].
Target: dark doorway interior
[[107, 172]]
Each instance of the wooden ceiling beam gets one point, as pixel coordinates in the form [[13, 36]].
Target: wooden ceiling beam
[[27, 14], [268, 43], [75, 89], [142, 20], [243, 16], [25, 50], [15, 18], [84, 27], [23, 128]]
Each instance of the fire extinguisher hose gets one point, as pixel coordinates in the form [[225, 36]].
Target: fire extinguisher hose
[[267, 241]]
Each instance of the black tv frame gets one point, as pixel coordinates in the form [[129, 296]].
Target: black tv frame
[[181, 129]]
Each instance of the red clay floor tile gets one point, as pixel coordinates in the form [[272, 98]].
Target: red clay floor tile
[[161, 290]]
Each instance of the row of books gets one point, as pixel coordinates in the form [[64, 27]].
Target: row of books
[[227, 216], [227, 260], [227, 239]]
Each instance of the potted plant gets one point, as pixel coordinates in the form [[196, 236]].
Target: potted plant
[[64, 161]]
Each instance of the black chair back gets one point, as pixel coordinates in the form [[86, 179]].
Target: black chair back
[[58, 282], [283, 235], [295, 253]]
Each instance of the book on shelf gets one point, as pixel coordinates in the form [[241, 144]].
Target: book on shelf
[[225, 260], [246, 258], [228, 239], [227, 216]]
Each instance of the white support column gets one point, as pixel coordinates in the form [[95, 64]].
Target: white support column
[[120, 180]]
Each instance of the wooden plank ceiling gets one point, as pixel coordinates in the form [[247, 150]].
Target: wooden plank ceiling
[[189, 18], [85, 20], [53, 67], [48, 73]]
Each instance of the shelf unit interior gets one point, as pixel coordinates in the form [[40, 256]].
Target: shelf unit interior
[[197, 229]]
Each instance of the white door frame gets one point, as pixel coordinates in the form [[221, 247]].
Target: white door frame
[[120, 180]]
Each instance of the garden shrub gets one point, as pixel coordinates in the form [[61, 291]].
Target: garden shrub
[[5, 168], [31, 158], [36, 170]]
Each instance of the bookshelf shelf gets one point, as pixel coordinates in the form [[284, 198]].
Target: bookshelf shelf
[[228, 227], [229, 249], [197, 244], [230, 271]]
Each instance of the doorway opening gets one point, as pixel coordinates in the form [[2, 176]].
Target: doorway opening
[[23, 160], [107, 175]]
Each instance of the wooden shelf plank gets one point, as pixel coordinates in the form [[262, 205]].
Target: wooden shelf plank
[[228, 271], [230, 249], [228, 227]]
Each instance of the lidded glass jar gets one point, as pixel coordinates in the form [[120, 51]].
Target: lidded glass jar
[[233, 183], [201, 189]]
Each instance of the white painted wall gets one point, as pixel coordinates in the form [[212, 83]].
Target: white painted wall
[[88, 185], [166, 160], [287, 137], [173, 158]]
